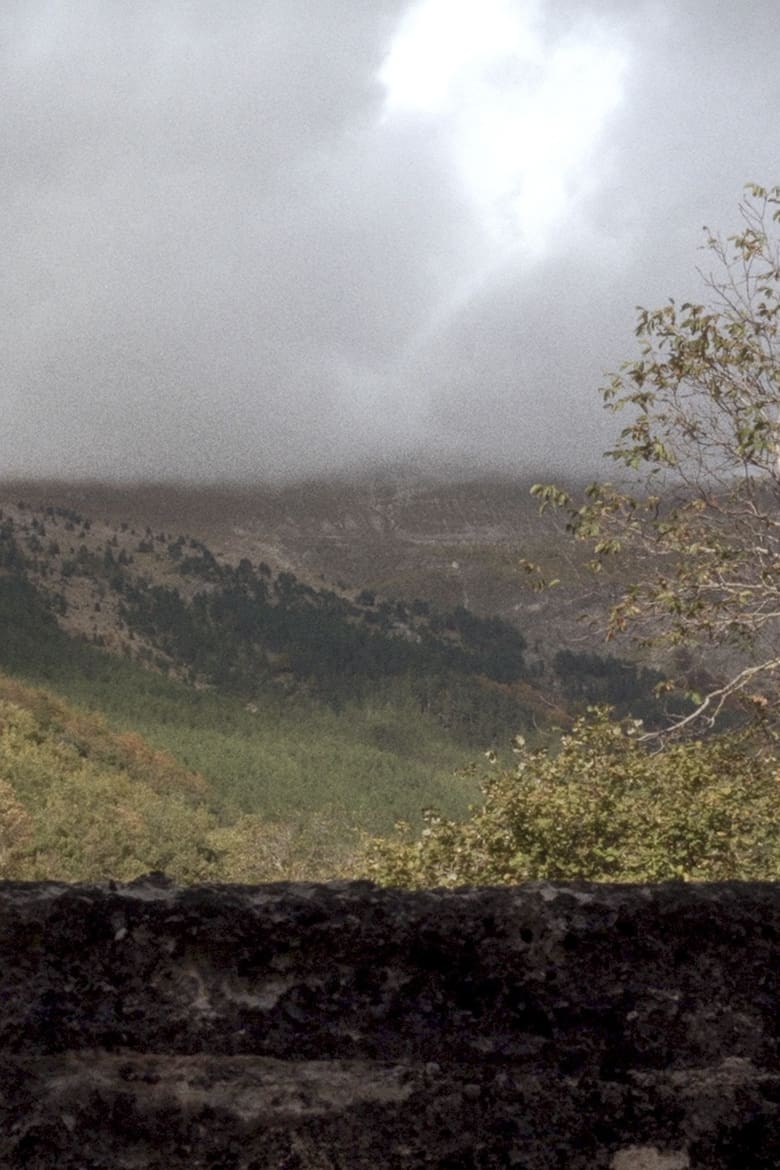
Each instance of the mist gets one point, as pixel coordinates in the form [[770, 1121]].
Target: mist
[[297, 237]]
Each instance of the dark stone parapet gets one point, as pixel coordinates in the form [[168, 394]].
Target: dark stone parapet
[[290, 1026]]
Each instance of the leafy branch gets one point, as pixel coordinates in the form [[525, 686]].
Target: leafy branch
[[700, 517]]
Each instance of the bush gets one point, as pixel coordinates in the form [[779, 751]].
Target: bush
[[608, 806]]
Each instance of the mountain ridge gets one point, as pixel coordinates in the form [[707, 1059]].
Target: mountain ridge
[[448, 542]]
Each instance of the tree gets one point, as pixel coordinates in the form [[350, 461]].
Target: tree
[[699, 520], [605, 807]]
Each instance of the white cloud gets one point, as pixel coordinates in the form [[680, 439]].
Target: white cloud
[[523, 109]]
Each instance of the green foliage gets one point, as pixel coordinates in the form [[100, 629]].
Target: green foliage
[[77, 802], [10, 553], [242, 635], [253, 849], [29, 634], [605, 807], [477, 711], [588, 679], [289, 760], [366, 766]]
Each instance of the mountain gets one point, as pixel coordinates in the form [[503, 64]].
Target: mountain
[[404, 536], [328, 587], [328, 657]]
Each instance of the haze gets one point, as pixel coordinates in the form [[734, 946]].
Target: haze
[[278, 238]]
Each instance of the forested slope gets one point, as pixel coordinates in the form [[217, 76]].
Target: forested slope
[[245, 723]]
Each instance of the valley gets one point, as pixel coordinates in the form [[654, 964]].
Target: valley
[[328, 659]]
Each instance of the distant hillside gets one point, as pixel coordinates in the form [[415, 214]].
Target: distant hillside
[[401, 535], [294, 713], [77, 801], [169, 602], [212, 615]]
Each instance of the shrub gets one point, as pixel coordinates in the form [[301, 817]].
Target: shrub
[[607, 806]]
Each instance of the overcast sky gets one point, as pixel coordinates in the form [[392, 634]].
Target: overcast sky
[[278, 237]]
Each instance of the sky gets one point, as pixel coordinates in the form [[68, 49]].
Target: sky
[[287, 238]]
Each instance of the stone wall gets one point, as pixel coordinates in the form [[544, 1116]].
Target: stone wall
[[341, 1026]]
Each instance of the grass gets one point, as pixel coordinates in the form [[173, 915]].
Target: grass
[[287, 758]]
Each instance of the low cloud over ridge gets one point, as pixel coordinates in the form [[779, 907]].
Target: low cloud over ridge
[[227, 254]]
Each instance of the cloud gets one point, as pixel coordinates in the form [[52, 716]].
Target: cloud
[[226, 254]]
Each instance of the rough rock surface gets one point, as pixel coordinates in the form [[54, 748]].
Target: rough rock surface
[[341, 1026]]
